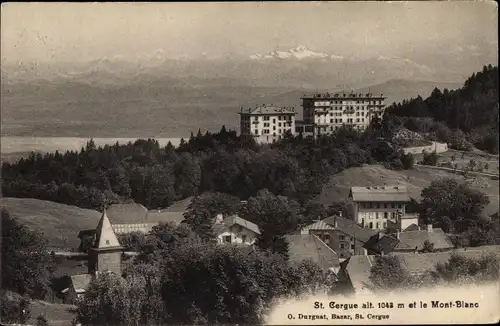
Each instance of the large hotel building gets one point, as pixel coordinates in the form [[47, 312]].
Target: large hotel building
[[267, 123], [323, 113]]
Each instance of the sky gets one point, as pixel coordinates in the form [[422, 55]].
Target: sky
[[70, 32]]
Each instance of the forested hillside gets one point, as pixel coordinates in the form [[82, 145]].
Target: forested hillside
[[470, 112], [223, 162]]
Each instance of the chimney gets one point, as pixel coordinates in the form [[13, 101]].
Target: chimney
[[381, 252], [340, 214], [335, 224], [429, 228], [397, 235], [380, 235], [415, 250]]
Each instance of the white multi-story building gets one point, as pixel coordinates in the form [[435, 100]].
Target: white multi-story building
[[325, 113], [375, 206], [267, 123]]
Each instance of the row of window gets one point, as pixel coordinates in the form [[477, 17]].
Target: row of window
[[379, 205], [378, 225], [318, 103], [281, 117]]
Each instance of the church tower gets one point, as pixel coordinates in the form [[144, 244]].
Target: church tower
[[106, 252]]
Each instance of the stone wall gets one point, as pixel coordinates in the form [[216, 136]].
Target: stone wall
[[438, 147]]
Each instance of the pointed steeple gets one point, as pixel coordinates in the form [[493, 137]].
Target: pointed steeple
[[105, 235]]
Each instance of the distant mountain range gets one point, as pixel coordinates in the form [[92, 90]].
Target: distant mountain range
[[299, 53], [152, 95]]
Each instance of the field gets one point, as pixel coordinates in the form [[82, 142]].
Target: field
[[415, 180], [463, 159], [60, 223]]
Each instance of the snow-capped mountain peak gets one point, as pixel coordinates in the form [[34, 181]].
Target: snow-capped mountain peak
[[300, 52]]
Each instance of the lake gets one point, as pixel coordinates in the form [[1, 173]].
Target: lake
[[13, 144]]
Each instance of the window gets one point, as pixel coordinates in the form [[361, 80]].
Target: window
[[376, 224], [341, 237], [371, 225], [392, 205], [342, 246], [107, 242], [352, 247], [385, 205], [274, 120], [227, 239], [376, 214], [256, 132], [378, 205], [386, 215], [243, 238]]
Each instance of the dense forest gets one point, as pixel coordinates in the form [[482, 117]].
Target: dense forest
[[464, 117], [224, 162]]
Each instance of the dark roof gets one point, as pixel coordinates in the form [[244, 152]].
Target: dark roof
[[269, 110], [380, 194], [86, 233], [359, 233], [310, 247], [409, 240], [411, 227], [236, 220], [126, 213], [179, 206], [385, 244], [416, 239], [161, 216], [341, 221]]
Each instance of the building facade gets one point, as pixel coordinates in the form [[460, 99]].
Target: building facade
[[342, 235], [235, 230], [326, 112], [375, 206], [267, 123]]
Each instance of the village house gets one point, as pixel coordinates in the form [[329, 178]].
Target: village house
[[408, 222], [133, 217], [355, 272], [410, 241], [342, 235], [234, 229], [375, 206], [310, 247], [105, 256]]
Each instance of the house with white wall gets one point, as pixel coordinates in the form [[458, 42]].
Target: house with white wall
[[234, 229]]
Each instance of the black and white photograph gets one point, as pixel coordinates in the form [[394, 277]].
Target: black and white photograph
[[238, 163]]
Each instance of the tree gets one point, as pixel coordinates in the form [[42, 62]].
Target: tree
[[430, 159], [14, 308], [387, 274], [427, 247], [275, 216], [41, 321], [112, 300], [346, 207], [408, 160], [26, 264], [203, 209], [447, 197], [229, 284], [460, 269]]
